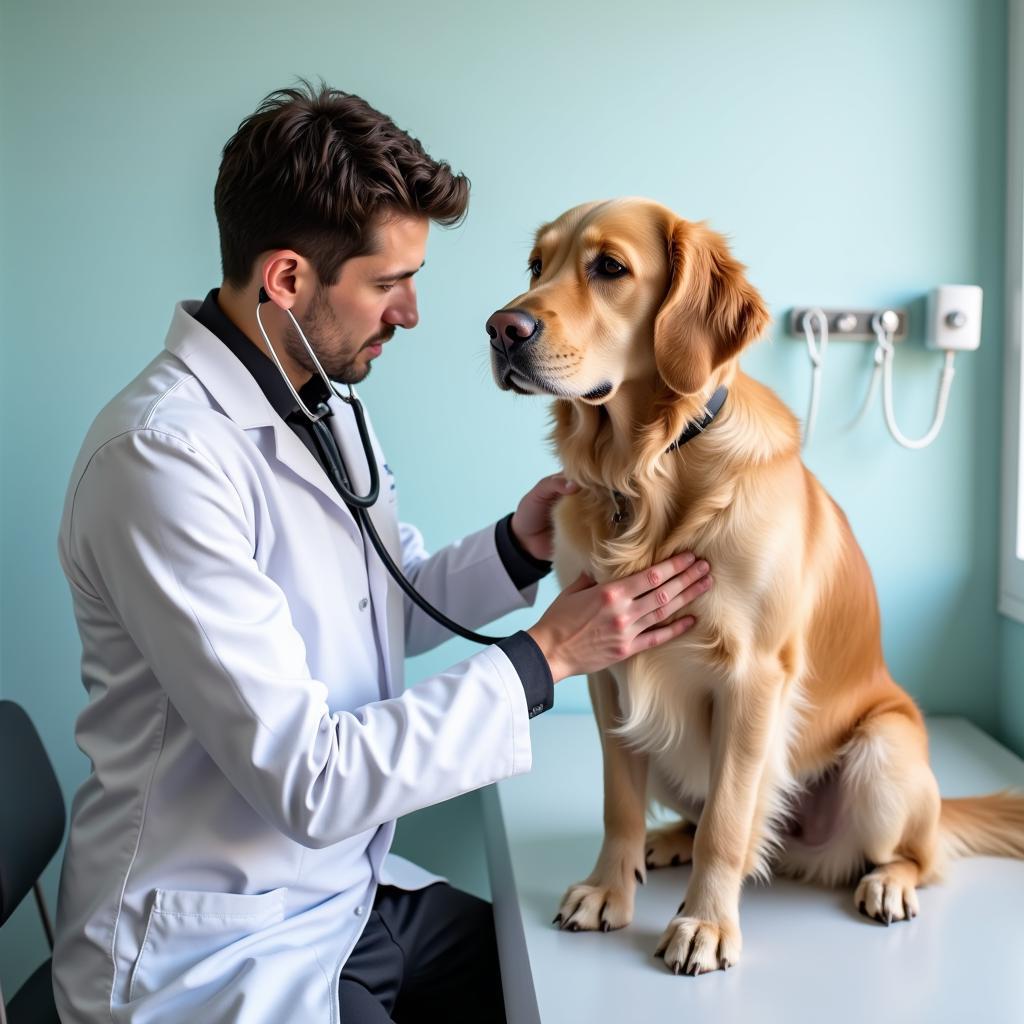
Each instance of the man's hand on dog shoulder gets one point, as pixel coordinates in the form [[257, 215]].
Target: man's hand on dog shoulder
[[531, 521], [590, 626]]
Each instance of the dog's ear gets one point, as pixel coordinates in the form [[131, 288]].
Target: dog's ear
[[710, 311]]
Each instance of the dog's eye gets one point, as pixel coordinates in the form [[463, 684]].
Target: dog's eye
[[535, 268], [606, 266]]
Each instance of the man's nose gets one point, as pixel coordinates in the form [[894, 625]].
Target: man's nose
[[406, 316], [511, 327]]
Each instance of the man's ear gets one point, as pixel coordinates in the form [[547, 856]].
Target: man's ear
[[710, 311]]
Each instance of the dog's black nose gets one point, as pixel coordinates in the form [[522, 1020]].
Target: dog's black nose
[[511, 327]]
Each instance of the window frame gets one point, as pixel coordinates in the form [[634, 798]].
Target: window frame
[[1011, 581]]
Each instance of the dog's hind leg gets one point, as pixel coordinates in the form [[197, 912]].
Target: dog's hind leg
[[604, 900], [670, 845], [892, 801]]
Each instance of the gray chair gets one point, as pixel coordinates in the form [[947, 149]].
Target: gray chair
[[32, 821]]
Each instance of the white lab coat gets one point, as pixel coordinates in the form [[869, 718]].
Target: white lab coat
[[251, 739]]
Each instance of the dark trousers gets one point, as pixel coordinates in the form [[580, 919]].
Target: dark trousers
[[424, 956]]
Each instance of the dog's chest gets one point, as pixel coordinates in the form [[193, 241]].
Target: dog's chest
[[664, 695], [665, 699], [590, 534]]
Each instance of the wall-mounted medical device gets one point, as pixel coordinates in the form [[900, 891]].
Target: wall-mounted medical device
[[953, 325], [954, 318]]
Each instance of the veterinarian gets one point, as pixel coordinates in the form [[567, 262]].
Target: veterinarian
[[250, 736]]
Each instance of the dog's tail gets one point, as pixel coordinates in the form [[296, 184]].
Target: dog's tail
[[990, 825]]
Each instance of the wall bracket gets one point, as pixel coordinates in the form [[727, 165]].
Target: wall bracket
[[845, 324]]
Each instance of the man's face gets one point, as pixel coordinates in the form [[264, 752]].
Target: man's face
[[348, 323]]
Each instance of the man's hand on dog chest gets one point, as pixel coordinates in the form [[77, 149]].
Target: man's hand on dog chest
[[590, 626]]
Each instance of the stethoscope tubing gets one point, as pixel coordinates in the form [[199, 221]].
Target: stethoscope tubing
[[358, 504], [339, 477]]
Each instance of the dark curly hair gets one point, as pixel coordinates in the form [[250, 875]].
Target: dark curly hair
[[313, 169]]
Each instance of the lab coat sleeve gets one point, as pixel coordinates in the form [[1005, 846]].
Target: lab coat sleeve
[[466, 580], [166, 538]]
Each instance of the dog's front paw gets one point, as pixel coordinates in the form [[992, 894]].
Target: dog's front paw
[[690, 945], [590, 908]]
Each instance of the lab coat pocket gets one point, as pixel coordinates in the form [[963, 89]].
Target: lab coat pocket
[[198, 934]]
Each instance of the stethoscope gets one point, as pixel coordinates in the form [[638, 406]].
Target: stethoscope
[[358, 504]]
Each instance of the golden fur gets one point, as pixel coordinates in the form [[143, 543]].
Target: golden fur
[[780, 689]]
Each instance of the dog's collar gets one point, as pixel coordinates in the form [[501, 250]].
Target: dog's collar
[[695, 427], [713, 407]]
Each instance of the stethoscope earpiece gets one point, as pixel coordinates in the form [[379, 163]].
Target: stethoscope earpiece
[[263, 296]]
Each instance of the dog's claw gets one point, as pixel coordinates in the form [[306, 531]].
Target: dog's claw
[[639, 877], [694, 958], [557, 919]]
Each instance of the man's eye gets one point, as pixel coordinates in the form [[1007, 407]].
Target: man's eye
[[535, 268], [606, 266], [385, 287]]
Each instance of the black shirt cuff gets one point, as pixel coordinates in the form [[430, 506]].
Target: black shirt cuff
[[523, 569], [533, 669]]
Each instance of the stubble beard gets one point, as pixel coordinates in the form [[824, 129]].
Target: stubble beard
[[337, 352]]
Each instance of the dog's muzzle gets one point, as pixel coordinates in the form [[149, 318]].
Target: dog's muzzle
[[513, 334]]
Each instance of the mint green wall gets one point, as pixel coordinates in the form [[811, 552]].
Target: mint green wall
[[854, 153]]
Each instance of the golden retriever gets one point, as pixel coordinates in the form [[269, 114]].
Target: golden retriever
[[773, 726]]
